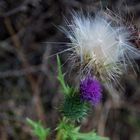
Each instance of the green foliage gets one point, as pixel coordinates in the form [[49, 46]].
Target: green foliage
[[74, 108], [69, 131], [38, 130], [65, 88]]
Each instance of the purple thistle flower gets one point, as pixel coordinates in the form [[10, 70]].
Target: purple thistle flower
[[90, 90]]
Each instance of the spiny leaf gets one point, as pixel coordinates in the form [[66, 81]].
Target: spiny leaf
[[38, 130], [73, 133], [65, 88]]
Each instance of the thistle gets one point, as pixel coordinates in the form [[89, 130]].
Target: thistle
[[103, 47]]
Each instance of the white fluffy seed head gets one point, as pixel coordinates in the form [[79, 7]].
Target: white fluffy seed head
[[101, 45]]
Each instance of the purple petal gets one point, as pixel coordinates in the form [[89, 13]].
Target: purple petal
[[90, 90]]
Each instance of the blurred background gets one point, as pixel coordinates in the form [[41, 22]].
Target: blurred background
[[29, 39]]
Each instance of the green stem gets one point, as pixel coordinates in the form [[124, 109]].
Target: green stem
[[59, 135], [60, 77]]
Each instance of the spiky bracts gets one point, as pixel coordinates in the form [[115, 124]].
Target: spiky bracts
[[74, 108]]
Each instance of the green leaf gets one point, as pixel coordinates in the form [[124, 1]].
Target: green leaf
[[65, 88], [73, 133], [38, 130]]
